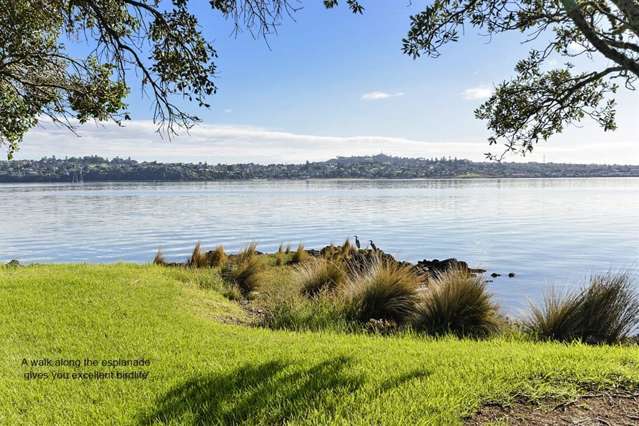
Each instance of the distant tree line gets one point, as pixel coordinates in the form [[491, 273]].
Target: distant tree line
[[96, 169]]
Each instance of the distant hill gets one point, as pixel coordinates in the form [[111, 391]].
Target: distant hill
[[96, 169]]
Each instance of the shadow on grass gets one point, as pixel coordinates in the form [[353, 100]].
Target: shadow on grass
[[269, 393], [398, 381]]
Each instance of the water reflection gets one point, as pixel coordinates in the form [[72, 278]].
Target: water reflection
[[547, 231]]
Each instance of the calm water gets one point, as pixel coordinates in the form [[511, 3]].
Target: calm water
[[549, 232]]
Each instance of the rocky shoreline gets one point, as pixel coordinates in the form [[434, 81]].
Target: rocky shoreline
[[361, 258]]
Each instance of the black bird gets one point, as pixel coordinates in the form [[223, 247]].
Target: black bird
[[373, 246], [357, 242]]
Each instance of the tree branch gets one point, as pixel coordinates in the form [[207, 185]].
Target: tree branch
[[574, 12]]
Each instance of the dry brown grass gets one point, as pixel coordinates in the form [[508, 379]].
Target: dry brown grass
[[347, 249], [198, 259], [217, 257], [300, 255], [159, 258], [249, 251], [280, 258]]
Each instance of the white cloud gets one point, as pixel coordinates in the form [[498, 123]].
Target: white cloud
[[228, 110], [479, 92], [235, 144], [226, 144], [376, 95]]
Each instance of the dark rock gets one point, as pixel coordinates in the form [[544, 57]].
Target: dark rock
[[495, 275], [436, 266], [511, 275]]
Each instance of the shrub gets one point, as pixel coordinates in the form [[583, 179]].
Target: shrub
[[319, 276], [385, 291], [216, 257], [245, 274], [300, 255], [159, 258], [198, 259], [606, 311], [457, 302]]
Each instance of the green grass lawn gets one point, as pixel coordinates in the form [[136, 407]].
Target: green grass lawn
[[207, 370]]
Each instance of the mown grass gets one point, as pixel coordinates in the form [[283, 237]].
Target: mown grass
[[205, 371]]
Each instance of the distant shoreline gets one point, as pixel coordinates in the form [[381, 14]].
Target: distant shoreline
[[378, 167], [7, 183]]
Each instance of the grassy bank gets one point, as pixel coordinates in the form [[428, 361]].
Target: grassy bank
[[206, 367]]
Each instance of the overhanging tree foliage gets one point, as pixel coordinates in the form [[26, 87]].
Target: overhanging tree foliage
[[538, 102], [159, 45]]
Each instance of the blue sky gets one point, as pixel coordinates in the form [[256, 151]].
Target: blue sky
[[333, 83]]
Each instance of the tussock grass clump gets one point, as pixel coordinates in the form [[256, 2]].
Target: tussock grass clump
[[280, 258], [217, 257], [610, 308], [245, 274], [198, 259], [457, 302], [159, 258], [248, 252], [330, 252], [300, 255], [347, 249], [244, 270], [557, 319], [319, 276], [606, 311], [385, 291]]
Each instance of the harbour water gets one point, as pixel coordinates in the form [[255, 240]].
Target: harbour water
[[549, 232]]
